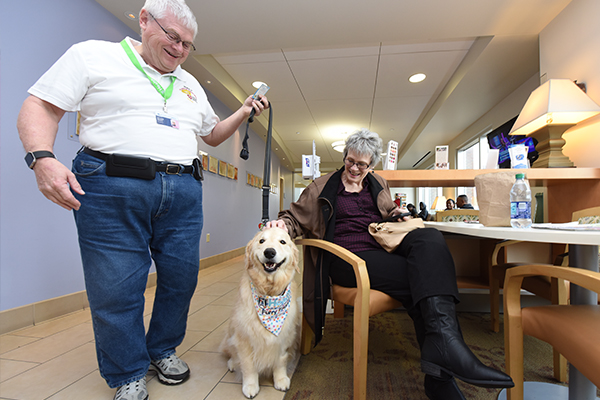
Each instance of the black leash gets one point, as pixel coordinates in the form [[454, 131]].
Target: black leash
[[244, 154]]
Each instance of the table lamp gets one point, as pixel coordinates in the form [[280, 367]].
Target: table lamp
[[550, 110], [439, 203]]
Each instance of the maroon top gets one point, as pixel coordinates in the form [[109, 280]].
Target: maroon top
[[353, 214]]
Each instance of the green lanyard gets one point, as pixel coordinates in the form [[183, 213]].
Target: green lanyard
[[166, 94]]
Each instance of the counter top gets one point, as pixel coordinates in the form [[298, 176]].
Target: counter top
[[466, 177]]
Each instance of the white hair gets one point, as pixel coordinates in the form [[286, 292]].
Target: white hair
[[181, 11], [365, 143]]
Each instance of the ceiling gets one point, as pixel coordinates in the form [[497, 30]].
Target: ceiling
[[338, 65]]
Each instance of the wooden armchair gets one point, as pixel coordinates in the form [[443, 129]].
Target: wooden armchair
[[571, 329], [541, 286], [556, 291], [366, 303], [553, 289]]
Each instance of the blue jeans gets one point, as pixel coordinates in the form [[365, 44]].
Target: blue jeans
[[123, 224]]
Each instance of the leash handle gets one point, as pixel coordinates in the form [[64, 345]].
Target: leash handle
[[245, 153]]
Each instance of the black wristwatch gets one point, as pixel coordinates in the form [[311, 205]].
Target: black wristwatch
[[33, 156]]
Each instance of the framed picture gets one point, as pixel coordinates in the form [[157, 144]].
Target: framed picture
[[205, 162], [235, 175], [222, 168], [213, 164], [230, 171]]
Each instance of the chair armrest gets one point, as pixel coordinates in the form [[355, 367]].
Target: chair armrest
[[358, 265], [499, 246], [514, 278]]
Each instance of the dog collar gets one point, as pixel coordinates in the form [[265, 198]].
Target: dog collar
[[272, 310]]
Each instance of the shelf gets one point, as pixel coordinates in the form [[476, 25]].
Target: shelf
[[466, 177], [472, 282]]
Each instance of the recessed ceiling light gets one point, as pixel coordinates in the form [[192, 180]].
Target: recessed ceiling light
[[209, 82], [339, 145], [258, 84], [416, 78], [130, 15]]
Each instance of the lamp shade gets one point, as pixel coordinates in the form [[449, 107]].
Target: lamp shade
[[556, 102], [439, 203]]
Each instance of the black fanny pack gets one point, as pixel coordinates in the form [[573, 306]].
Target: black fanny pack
[[130, 167], [143, 168]]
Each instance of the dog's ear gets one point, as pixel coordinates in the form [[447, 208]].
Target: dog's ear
[[249, 248], [295, 255]]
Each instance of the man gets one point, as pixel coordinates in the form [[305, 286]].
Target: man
[[135, 187], [462, 201]]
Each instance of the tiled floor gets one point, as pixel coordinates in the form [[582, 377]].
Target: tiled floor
[[56, 359]]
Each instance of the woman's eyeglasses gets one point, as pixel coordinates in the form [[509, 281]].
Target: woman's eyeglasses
[[361, 165], [175, 38]]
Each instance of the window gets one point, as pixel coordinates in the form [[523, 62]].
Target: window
[[473, 156], [427, 195]]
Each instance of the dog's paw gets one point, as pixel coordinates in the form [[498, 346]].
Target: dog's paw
[[282, 383], [250, 390]]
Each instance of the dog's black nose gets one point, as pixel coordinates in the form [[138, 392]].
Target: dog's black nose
[[270, 252]]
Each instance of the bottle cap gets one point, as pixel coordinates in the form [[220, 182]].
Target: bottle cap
[[520, 176]]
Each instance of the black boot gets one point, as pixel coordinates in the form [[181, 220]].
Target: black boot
[[444, 349], [442, 388], [445, 387]]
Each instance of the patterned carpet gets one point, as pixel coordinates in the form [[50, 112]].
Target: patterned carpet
[[393, 365]]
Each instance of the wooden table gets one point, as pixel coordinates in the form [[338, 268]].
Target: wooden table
[[583, 253]]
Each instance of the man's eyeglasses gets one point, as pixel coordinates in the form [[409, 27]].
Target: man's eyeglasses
[[175, 38], [361, 165]]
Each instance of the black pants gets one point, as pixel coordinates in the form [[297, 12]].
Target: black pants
[[421, 267]]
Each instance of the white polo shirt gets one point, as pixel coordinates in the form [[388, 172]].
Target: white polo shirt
[[119, 105]]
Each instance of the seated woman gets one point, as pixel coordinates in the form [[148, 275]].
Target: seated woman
[[338, 207], [450, 204]]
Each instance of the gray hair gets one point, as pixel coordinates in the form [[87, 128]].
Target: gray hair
[[181, 11], [365, 143]]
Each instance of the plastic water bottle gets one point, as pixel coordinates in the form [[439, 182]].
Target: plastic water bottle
[[520, 203]]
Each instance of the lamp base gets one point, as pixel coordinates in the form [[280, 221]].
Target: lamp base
[[549, 147]]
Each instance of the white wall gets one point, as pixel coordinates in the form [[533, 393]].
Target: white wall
[[410, 192], [570, 48], [505, 110], [39, 254]]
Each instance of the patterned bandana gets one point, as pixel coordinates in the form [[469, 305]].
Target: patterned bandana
[[272, 310]]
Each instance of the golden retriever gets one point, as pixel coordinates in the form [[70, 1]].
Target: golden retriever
[[261, 346]]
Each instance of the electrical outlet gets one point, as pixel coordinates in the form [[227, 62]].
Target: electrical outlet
[[207, 237]]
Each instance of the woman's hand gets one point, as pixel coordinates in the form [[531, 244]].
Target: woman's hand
[[277, 224], [398, 211]]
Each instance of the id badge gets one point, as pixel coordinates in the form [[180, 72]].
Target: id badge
[[167, 120]]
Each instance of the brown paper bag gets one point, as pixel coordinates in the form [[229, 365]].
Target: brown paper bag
[[493, 197]]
